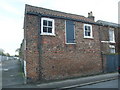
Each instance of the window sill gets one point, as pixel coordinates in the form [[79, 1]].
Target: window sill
[[88, 38], [112, 42], [105, 41], [47, 34], [108, 42], [70, 43]]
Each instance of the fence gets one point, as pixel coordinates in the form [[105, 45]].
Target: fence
[[111, 63]]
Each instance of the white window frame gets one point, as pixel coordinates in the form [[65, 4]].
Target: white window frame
[[113, 35], [91, 33], [112, 47], [53, 27]]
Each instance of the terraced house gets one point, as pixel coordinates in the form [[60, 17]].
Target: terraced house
[[60, 45], [109, 45]]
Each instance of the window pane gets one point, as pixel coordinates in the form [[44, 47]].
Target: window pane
[[45, 22], [49, 30], [85, 27], [44, 29], [111, 38], [111, 35], [49, 23], [89, 28], [88, 33]]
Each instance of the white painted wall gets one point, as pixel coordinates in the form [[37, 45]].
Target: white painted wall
[[25, 68]]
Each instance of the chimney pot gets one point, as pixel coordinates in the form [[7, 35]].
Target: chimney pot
[[90, 16]]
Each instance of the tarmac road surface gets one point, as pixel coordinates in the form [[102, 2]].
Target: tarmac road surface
[[11, 74]]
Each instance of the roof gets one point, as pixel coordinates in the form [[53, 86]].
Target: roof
[[48, 12], [107, 23]]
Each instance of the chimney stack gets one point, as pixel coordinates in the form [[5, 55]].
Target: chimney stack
[[90, 16]]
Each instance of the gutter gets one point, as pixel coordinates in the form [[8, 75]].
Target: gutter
[[89, 83], [67, 18]]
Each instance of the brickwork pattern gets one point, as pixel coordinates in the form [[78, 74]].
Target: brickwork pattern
[[32, 52], [61, 60]]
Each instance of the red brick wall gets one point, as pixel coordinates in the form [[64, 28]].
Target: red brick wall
[[60, 60], [49, 57], [118, 40], [32, 52]]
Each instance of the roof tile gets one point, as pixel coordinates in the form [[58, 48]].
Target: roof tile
[[44, 11]]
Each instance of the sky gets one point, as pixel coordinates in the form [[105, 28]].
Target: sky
[[12, 16]]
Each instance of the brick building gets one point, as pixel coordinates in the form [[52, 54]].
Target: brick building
[[60, 45], [108, 37], [108, 32]]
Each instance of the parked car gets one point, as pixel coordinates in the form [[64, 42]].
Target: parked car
[[16, 58]]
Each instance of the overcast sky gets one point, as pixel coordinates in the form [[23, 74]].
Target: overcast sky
[[12, 16]]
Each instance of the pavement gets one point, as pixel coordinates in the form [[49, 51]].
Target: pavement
[[107, 84], [13, 79]]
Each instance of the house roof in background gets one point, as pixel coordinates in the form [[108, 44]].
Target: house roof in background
[[108, 23]]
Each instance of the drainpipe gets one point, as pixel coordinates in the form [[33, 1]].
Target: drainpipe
[[39, 46], [101, 49]]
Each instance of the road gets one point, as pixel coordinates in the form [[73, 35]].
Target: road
[[107, 84], [11, 74]]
